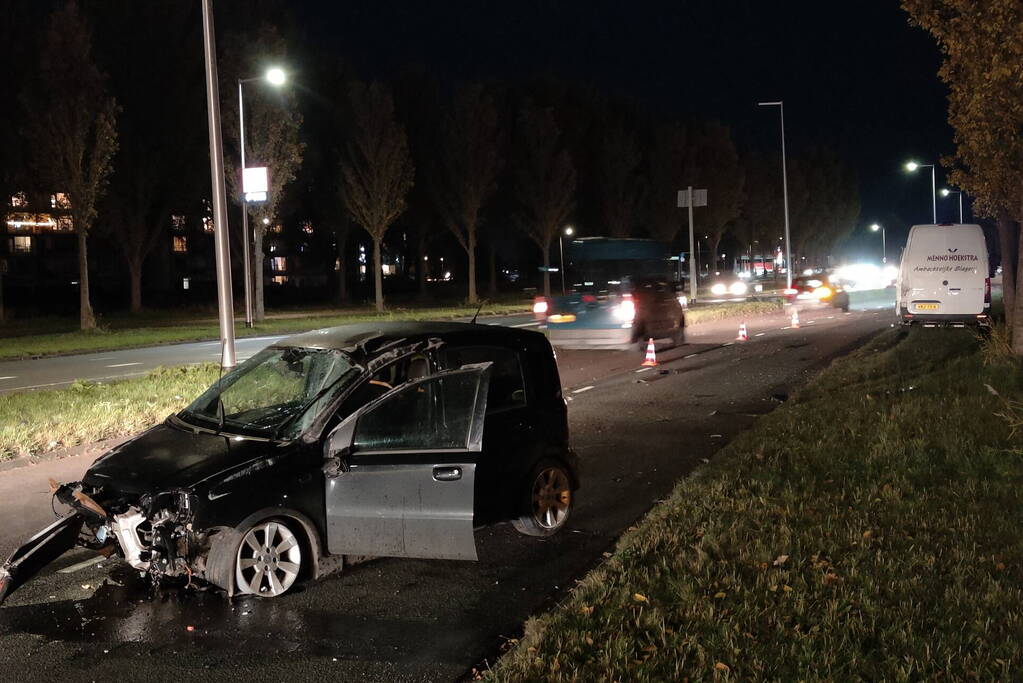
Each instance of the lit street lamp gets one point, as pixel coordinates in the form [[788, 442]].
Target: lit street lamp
[[785, 191], [946, 192], [275, 77], [884, 250], [911, 166], [567, 232]]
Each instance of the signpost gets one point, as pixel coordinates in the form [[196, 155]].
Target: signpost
[[689, 198]]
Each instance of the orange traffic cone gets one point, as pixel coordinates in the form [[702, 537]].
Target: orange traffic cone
[[743, 335], [651, 355], [795, 319]]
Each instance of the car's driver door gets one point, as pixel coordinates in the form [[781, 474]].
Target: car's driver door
[[400, 471]]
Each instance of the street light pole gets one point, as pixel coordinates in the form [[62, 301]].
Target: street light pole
[[561, 248], [884, 249], [221, 244], [785, 190], [946, 192], [247, 258], [911, 166]]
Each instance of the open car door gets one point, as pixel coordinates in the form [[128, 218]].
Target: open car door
[[400, 472]]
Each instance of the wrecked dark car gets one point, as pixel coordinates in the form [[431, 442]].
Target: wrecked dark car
[[363, 440]]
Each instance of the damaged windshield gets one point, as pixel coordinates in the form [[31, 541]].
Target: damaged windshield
[[277, 384]]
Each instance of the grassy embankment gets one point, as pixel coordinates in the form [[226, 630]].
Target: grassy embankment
[[38, 421], [870, 528], [151, 329], [705, 314]]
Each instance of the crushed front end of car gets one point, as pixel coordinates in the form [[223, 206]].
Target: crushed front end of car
[[152, 532]]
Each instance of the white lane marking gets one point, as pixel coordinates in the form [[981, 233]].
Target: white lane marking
[[535, 323], [831, 317], [810, 322], [727, 343], [760, 334], [81, 565], [9, 377], [122, 365], [787, 327], [692, 355], [579, 391], [647, 369]]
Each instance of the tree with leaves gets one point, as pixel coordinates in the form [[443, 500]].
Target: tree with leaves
[[544, 180], [712, 163], [982, 46], [272, 124], [667, 160], [73, 136], [469, 164], [378, 172]]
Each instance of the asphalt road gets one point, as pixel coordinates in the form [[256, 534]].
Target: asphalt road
[[57, 371], [637, 431]]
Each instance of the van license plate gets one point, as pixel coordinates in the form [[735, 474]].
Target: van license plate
[[926, 307]]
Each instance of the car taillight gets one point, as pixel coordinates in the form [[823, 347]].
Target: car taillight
[[626, 309]]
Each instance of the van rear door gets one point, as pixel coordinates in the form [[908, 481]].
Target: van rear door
[[945, 269]]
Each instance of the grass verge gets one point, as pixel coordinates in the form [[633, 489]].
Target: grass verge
[[39, 421], [175, 328], [870, 528], [704, 314]]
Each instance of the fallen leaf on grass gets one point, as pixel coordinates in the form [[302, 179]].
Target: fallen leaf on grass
[[787, 588], [586, 610], [780, 560], [868, 533], [832, 578], [721, 666], [639, 597], [719, 595]]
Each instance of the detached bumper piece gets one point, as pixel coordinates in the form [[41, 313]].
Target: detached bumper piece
[[39, 551]]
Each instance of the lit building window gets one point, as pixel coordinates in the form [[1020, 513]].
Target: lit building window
[[307, 228], [180, 244], [207, 224], [65, 224], [276, 228], [21, 244], [60, 200], [278, 264], [178, 222], [387, 269], [18, 200], [30, 222], [279, 279]]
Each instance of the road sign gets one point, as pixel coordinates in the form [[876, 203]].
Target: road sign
[[699, 198], [255, 183]]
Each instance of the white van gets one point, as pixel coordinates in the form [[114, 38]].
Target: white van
[[944, 277]]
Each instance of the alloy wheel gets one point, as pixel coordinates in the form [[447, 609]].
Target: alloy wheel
[[552, 497], [269, 560]]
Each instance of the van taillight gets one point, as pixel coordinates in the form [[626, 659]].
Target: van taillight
[[987, 290], [540, 307]]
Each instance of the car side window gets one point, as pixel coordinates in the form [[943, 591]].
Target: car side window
[[436, 414], [507, 388], [383, 380]]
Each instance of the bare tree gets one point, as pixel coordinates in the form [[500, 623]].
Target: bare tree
[[470, 161], [544, 181], [73, 134], [714, 164], [667, 177], [272, 123], [378, 172]]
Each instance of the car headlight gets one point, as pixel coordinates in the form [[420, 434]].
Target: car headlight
[[738, 288], [625, 311], [718, 289], [540, 306], [823, 292]]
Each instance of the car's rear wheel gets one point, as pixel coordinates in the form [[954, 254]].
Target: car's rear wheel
[[269, 559], [678, 337], [549, 501]]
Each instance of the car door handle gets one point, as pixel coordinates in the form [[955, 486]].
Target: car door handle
[[447, 473]]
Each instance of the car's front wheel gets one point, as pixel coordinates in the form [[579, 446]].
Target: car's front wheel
[[269, 559], [549, 501]]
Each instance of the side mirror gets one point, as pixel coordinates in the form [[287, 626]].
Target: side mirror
[[338, 447]]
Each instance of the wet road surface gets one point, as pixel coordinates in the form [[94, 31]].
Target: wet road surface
[[636, 432]]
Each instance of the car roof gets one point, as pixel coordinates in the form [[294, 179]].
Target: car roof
[[366, 338]]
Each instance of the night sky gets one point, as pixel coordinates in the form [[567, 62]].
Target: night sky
[[854, 76]]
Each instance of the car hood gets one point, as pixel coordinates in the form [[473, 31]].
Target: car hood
[[169, 457]]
